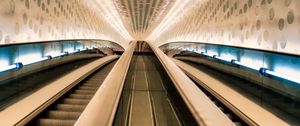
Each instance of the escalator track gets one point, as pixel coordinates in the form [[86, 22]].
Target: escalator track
[[18, 88], [67, 109]]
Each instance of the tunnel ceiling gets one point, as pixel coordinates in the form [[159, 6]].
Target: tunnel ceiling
[[140, 17], [262, 24]]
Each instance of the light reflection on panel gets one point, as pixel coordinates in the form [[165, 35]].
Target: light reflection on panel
[[287, 66], [52, 49], [4, 62], [31, 53], [5, 56], [200, 48], [228, 56], [68, 47], [29, 58], [274, 77], [254, 59], [79, 45], [212, 52], [287, 70]]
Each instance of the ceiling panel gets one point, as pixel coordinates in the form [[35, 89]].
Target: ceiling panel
[[140, 17]]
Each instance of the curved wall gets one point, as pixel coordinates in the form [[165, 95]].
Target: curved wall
[[261, 24], [40, 20]]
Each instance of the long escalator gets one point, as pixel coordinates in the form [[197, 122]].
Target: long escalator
[[271, 101], [66, 110], [18, 88], [149, 97]]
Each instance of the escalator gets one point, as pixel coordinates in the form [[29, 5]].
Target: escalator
[[282, 106], [18, 88], [66, 110], [149, 96]]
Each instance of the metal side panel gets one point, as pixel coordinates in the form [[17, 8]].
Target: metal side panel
[[103, 106], [252, 113], [204, 110], [24, 110]]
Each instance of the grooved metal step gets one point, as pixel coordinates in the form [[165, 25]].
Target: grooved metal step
[[55, 122], [80, 96], [67, 110], [56, 114], [68, 107]]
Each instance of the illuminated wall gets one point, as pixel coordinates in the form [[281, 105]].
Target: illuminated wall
[[30, 52], [262, 24], [39, 20], [255, 59]]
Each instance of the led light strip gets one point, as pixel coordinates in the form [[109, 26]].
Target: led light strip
[[7, 68], [59, 55], [36, 61], [74, 51], [261, 70], [19, 65], [267, 72], [246, 65]]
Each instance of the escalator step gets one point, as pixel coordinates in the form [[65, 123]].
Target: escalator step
[[84, 92], [94, 81], [80, 96], [87, 88], [80, 93], [68, 107], [97, 78], [75, 101], [55, 122], [67, 110], [91, 84], [63, 115], [96, 86]]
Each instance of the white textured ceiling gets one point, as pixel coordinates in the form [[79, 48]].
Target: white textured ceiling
[[260, 24], [135, 19]]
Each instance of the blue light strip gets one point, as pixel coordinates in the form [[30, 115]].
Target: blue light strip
[[205, 54], [216, 57], [74, 51], [222, 59], [246, 65], [58, 55], [6, 68], [232, 61], [35, 61], [263, 71], [283, 76]]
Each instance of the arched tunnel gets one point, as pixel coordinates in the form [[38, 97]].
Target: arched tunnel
[[149, 62]]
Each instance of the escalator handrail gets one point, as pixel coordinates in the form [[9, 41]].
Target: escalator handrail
[[23, 111], [203, 110], [249, 111]]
